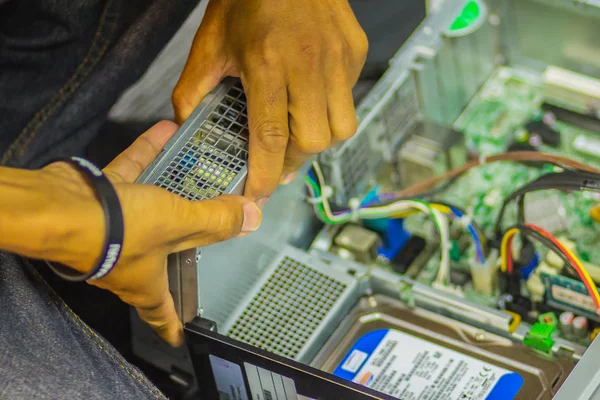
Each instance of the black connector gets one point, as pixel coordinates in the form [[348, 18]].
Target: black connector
[[460, 278], [547, 135], [521, 146], [523, 306], [510, 283], [582, 121], [525, 146], [413, 247]]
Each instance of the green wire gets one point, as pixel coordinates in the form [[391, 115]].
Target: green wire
[[319, 206]]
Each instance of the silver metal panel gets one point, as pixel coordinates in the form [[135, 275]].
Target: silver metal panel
[[584, 381], [208, 155], [294, 306]]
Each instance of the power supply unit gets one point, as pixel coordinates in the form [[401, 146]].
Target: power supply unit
[[296, 311]]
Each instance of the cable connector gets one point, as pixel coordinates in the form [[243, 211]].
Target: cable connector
[[326, 193], [354, 205]]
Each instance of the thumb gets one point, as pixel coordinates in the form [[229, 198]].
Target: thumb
[[215, 220]]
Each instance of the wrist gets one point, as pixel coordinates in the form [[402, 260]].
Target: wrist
[[52, 214], [73, 206]]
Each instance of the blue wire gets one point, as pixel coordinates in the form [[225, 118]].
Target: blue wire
[[478, 246]]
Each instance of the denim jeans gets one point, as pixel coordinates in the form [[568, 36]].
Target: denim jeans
[[47, 352], [63, 64]]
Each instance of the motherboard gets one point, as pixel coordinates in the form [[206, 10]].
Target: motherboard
[[514, 111]]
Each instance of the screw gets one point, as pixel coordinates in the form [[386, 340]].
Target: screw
[[188, 260]]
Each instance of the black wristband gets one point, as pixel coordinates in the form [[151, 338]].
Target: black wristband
[[113, 221]]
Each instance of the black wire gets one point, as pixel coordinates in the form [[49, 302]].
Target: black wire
[[566, 181], [532, 233]]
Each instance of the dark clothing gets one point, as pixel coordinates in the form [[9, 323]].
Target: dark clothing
[[47, 352], [63, 64]]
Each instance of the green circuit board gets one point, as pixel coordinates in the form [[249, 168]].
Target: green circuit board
[[494, 119]]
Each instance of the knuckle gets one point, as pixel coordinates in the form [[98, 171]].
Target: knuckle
[[360, 45], [345, 130], [313, 145], [272, 135], [264, 55], [337, 49], [180, 98]]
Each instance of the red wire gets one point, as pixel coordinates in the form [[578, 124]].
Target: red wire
[[571, 260], [509, 259]]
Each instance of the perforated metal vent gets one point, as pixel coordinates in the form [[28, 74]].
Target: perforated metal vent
[[349, 168], [208, 156], [400, 113], [292, 306]]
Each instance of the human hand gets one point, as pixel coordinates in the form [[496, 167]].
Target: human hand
[[298, 61], [156, 222]]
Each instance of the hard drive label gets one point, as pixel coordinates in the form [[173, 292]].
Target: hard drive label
[[411, 368]]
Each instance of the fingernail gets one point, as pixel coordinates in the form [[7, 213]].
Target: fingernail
[[288, 178], [252, 217], [262, 202]]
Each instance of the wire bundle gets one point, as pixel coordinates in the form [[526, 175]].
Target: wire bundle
[[319, 197], [566, 181], [553, 244], [516, 156]]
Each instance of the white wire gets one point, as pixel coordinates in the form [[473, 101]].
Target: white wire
[[443, 276], [444, 270]]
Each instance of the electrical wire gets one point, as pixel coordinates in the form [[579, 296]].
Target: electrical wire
[[516, 156], [566, 181], [319, 198], [556, 246]]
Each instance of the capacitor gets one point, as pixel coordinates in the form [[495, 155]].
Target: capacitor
[[580, 327], [566, 322]]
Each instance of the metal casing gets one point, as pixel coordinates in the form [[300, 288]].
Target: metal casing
[[208, 155]]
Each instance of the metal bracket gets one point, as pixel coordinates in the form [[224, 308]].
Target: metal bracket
[[182, 270]]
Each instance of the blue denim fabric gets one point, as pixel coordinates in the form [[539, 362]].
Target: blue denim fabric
[[47, 352], [63, 64]]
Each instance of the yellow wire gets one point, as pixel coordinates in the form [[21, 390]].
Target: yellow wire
[[439, 207], [585, 274], [504, 264], [504, 248]]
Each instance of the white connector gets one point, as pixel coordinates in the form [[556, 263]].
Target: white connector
[[484, 275]]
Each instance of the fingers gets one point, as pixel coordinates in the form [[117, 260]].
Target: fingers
[[205, 66], [128, 165], [268, 123], [309, 123], [143, 284], [340, 107], [197, 80], [215, 220], [163, 319]]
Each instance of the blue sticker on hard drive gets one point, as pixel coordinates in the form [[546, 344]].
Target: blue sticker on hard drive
[[408, 367]]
